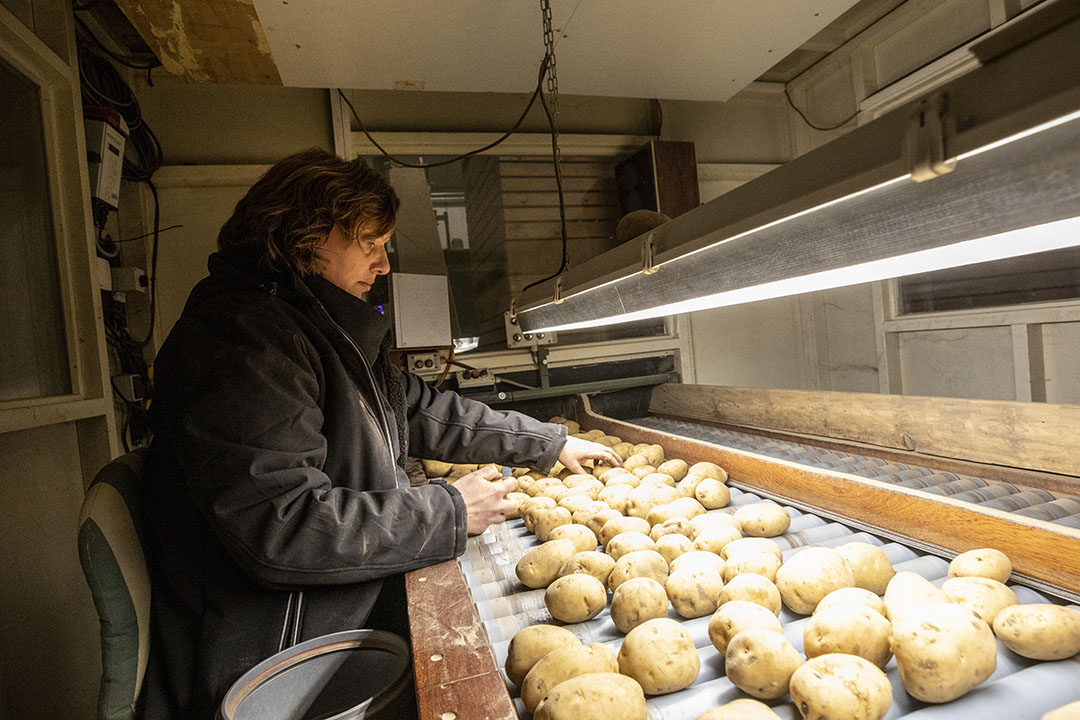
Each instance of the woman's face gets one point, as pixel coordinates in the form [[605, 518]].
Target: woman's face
[[353, 265]]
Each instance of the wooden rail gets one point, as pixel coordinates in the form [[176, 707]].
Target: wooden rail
[[456, 674], [1048, 555]]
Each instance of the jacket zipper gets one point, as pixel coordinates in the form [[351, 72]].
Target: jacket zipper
[[370, 378], [294, 617], [286, 623]]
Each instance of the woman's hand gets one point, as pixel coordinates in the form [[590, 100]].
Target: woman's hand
[[576, 450], [485, 497]]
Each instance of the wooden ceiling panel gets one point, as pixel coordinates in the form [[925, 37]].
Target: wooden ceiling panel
[[208, 41]]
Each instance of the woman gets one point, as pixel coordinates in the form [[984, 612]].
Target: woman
[[277, 501]]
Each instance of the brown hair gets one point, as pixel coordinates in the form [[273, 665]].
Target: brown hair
[[290, 211]]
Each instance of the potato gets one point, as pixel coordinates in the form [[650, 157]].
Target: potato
[[754, 588], [554, 491], [619, 525], [851, 629], [753, 544], [548, 520], [582, 537], [715, 538], [519, 499], [599, 518], [710, 520], [1065, 712], [634, 461], [538, 487], [675, 525], [761, 662], [683, 507], [600, 469], [688, 485], [712, 493], [642, 470], [673, 545], [593, 695], [840, 687], [872, 568], [677, 469], [741, 709], [653, 453], [561, 665], [539, 567], [644, 498], [436, 468], [572, 427], [532, 643], [759, 563], [637, 600], [575, 598], [698, 557], [660, 655], [590, 489], [629, 542], [809, 576], [709, 470], [588, 509], [614, 496], [574, 502], [766, 519], [851, 596], [642, 563], [589, 562], [623, 449], [572, 481], [658, 478], [737, 616], [942, 650], [984, 562], [984, 596], [1039, 631], [613, 472], [626, 478], [463, 468], [693, 591], [907, 589]]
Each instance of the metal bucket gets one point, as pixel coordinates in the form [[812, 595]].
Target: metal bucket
[[345, 675]]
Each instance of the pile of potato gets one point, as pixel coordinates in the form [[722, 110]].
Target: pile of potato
[[640, 540]]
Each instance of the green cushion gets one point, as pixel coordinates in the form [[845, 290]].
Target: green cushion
[[112, 559]]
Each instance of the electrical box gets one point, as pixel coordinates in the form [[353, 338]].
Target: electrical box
[[106, 133], [518, 338], [424, 363], [421, 308]]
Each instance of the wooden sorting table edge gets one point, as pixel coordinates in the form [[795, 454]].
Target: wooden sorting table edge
[[1045, 556], [455, 670]]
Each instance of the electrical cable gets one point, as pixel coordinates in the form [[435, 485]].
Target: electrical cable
[[146, 235], [405, 163], [446, 369], [126, 62], [807, 120]]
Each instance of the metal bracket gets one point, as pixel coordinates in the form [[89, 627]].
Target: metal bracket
[[513, 310], [648, 255], [558, 291], [926, 135]]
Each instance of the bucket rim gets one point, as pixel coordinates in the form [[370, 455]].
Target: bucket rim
[[288, 658]]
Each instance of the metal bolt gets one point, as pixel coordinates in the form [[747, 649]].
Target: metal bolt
[[502, 396], [540, 335], [528, 336], [517, 337]]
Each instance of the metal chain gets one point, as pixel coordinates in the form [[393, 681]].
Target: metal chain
[[552, 78]]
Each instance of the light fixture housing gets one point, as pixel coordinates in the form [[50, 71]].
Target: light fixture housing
[[983, 168]]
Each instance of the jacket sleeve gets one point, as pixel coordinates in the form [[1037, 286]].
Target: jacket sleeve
[[242, 419], [446, 426]]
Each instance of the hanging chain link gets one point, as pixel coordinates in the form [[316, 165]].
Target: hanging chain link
[[552, 78]]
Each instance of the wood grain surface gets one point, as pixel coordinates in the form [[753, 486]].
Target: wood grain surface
[[1035, 436], [1046, 553], [456, 674]]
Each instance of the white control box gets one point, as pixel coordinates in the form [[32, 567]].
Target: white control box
[[421, 308]]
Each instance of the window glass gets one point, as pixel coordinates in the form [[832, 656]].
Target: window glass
[[33, 345], [1042, 277]]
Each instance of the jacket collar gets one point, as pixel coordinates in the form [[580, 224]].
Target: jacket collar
[[364, 323]]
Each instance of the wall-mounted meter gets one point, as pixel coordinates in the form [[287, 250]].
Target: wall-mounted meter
[[106, 133]]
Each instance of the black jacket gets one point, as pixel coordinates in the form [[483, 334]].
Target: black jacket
[[275, 504]]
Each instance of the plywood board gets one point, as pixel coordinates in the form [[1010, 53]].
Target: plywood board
[[215, 41], [691, 50], [1034, 436]]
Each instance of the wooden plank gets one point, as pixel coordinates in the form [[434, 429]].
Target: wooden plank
[[547, 199], [452, 659], [1041, 552], [1033, 436], [1024, 479], [570, 184], [574, 229], [569, 169], [205, 42], [573, 212]]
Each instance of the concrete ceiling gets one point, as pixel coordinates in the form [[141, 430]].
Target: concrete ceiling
[[687, 50]]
